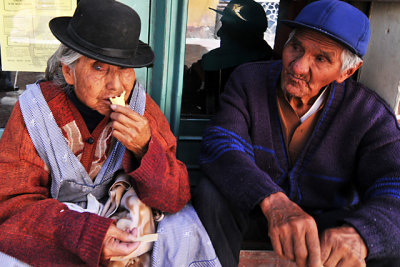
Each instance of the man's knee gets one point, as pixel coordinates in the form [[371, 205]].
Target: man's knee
[[224, 222], [206, 198], [215, 210]]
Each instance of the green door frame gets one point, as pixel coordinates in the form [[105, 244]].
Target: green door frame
[[143, 9], [167, 37]]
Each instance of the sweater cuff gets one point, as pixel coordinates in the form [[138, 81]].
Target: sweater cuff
[[261, 192], [150, 163], [369, 233], [87, 240], [92, 242]]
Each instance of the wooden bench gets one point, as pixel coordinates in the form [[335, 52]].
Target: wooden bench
[[262, 258]]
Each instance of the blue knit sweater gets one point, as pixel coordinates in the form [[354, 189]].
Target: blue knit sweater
[[351, 159]]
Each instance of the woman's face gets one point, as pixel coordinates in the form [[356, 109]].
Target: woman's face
[[95, 82]]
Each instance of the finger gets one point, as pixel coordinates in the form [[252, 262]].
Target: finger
[[126, 120], [132, 138], [119, 135], [132, 231], [333, 259], [348, 259], [125, 248], [343, 263], [325, 249], [121, 235], [314, 249], [346, 263], [129, 120], [300, 251], [127, 126], [138, 144], [276, 244], [119, 108], [124, 128], [287, 246], [115, 247], [125, 111]]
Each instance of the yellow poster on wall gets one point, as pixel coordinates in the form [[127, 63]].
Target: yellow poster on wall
[[25, 38]]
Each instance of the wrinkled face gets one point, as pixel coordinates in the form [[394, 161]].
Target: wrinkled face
[[310, 62], [95, 82]]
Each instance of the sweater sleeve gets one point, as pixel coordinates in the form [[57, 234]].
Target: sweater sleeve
[[162, 180], [378, 181], [30, 220], [227, 154]]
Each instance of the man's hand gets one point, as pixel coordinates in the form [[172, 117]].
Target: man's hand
[[132, 129], [293, 233], [342, 246], [118, 243]]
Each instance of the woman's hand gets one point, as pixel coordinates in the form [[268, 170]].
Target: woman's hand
[[131, 129], [118, 243]]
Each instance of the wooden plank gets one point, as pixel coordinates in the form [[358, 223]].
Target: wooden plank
[[262, 258]]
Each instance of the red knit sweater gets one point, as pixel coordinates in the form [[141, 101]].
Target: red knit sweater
[[40, 230]]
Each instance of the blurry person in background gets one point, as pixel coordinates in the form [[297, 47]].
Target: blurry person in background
[[243, 24]]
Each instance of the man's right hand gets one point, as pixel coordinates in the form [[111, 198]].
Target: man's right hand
[[118, 243], [293, 233]]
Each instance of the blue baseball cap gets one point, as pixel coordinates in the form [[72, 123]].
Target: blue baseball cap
[[339, 20]]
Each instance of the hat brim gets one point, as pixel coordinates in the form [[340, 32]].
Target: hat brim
[[144, 56], [295, 24], [216, 10]]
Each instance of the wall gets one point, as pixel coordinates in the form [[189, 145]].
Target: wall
[[381, 69], [199, 14]]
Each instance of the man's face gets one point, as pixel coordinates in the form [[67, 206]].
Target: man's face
[[310, 62], [95, 82]]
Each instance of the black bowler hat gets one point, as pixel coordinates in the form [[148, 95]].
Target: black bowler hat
[[105, 30]]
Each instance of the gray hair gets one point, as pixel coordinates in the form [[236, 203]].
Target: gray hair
[[63, 55], [349, 59]]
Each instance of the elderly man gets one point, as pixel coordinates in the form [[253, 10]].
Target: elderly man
[[304, 153], [65, 142]]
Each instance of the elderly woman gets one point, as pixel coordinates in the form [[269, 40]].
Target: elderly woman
[[65, 141]]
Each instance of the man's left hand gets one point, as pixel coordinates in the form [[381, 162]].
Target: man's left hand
[[131, 129], [342, 246]]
